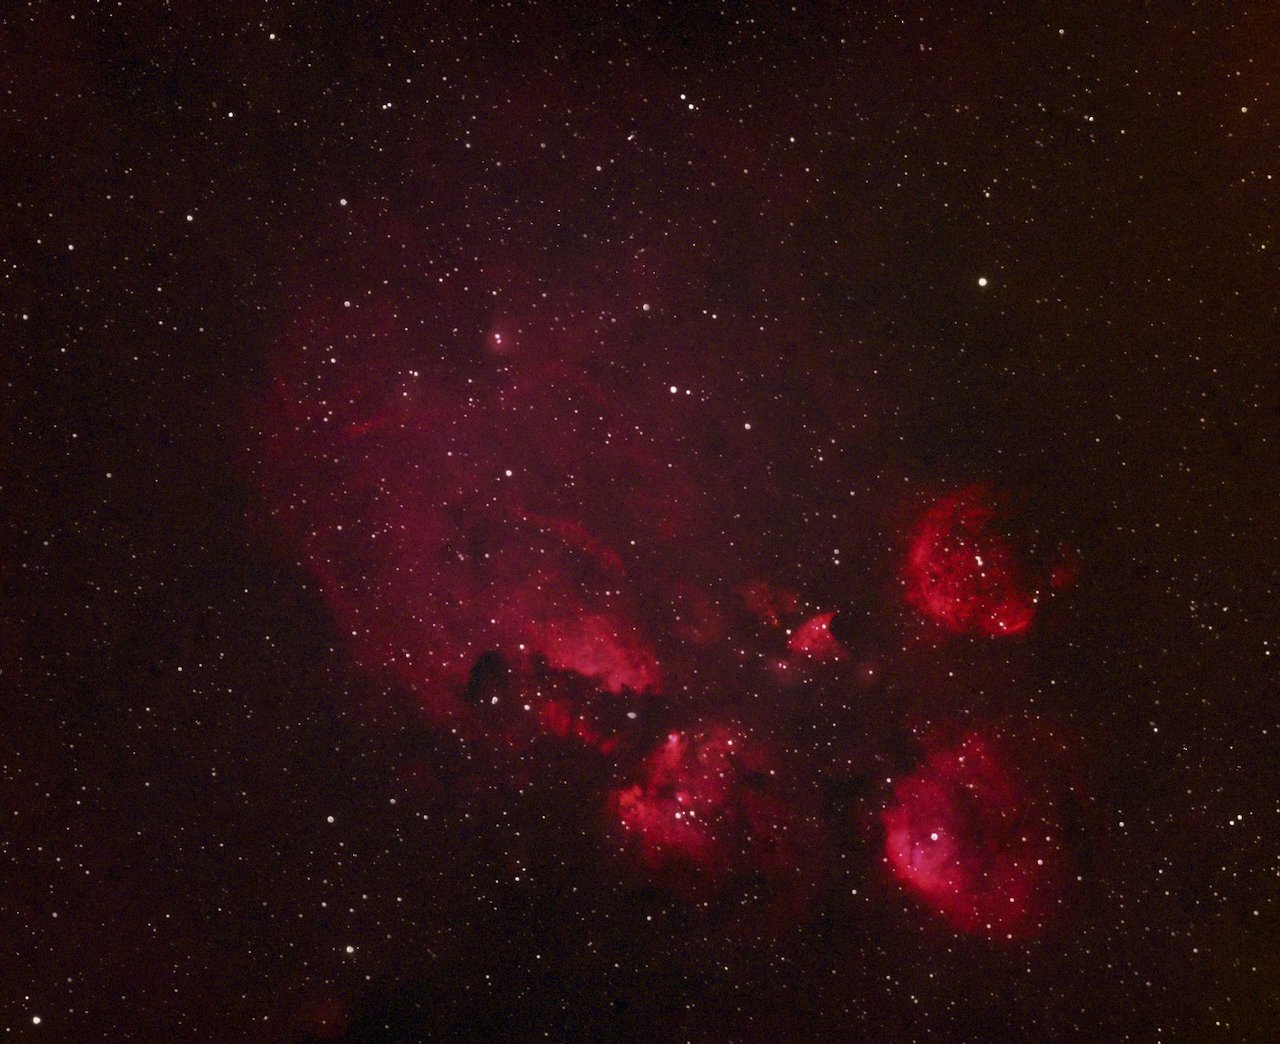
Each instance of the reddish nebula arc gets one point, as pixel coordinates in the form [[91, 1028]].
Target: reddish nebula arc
[[975, 840], [962, 573], [440, 505]]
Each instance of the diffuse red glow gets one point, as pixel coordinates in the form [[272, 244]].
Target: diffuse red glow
[[974, 840], [709, 805], [596, 646], [445, 522], [963, 574], [442, 515], [669, 817], [814, 639]]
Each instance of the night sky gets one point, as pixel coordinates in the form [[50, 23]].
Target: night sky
[[692, 522]]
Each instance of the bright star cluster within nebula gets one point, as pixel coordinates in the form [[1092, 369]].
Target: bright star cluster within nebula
[[709, 804]]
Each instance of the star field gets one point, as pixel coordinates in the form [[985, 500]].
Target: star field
[[639, 522]]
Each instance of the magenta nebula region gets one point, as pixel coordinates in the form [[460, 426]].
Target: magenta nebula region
[[814, 639], [974, 841], [709, 805], [446, 514], [963, 574], [508, 536], [674, 814]]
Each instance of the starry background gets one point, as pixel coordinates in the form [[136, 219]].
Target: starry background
[[219, 823]]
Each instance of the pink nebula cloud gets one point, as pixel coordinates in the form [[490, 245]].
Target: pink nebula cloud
[[814, 639], [710, 806], [962, 573], [974, 838]]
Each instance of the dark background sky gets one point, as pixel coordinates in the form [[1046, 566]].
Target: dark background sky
[[815, 192]]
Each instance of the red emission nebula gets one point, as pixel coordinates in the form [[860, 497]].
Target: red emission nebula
[[708, 803], [973, 839], [963, 574], [522, 533]]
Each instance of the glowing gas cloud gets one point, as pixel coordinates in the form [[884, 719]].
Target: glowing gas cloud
[[711, 806], [536, 545], [972, 837], [963, 574]]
